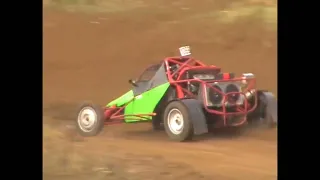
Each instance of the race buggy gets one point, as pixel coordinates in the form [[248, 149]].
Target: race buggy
[[186, 98]]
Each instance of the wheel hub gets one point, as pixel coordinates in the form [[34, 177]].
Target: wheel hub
[[175, 121], [87, 119]]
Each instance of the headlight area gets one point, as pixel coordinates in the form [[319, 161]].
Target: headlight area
[[250, 94], [245, 83]]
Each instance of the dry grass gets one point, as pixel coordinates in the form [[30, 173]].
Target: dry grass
[[243, 11], [95, 6], [262, 10], [267, 14]]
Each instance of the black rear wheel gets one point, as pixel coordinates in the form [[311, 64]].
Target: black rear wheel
[[262, 116], [176, 122]]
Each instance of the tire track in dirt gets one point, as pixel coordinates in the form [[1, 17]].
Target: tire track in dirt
[[232, 157], [252, 153], [229, 157]]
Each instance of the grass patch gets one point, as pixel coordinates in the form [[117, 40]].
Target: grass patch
[[264, 13], [94, 6], [235, 12]]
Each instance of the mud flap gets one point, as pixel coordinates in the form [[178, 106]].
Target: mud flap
[[271, 105], [196, 116]]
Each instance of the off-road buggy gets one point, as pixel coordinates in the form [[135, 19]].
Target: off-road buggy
[[185, 96]]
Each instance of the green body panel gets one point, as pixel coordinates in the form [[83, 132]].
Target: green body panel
[[122, 99], [146, 102]]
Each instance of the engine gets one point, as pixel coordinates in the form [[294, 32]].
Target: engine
[[214, 96]]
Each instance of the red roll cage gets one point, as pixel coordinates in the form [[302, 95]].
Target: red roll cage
[[186, 64]]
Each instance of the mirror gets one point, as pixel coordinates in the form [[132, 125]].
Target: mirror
[[133, 83]]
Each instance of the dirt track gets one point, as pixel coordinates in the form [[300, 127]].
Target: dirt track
[[91, 57]]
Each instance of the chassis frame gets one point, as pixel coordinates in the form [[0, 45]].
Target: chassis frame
[[114, 115]]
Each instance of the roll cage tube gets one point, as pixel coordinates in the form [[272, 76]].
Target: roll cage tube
[[173, 75]]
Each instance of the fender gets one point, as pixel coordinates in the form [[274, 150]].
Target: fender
[[267, 108], [270, 104], [196, 116]]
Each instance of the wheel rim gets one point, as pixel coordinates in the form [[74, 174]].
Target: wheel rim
[[87, 119], [175, 121]]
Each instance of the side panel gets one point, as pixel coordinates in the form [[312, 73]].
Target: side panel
[[146, 102], [272, 106], [122, 99]]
